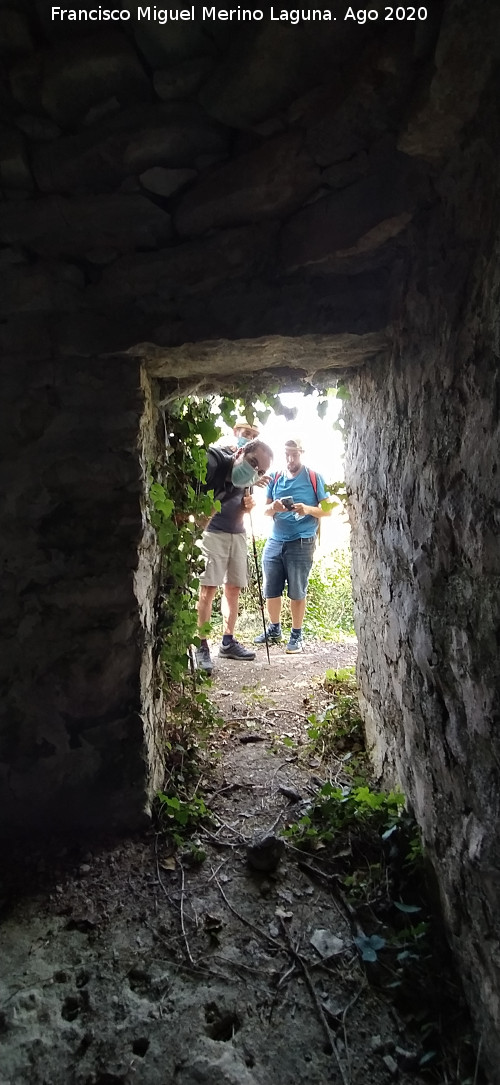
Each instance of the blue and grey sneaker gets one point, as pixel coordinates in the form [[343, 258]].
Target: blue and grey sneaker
[[235, 650], [203, 659], [274, 635], [295, 644]]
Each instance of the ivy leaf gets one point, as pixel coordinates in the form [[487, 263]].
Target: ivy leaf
[[209, 431], [429, 1055], [369, 946], [322, 408], [165, 533], [342, 391], [328, 503]]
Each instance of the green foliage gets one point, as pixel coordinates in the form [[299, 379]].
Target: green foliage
[[338, 808], [338, 728], [338, 490], [329, 610], [244, 405], [182, 816], [177, 506], [342, 391]]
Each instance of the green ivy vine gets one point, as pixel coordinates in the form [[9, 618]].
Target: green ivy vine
[[178, 505]]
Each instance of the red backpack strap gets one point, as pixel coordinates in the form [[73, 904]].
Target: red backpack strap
[[313, 480]]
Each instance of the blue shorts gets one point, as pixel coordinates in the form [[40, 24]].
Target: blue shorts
[[287, 563]]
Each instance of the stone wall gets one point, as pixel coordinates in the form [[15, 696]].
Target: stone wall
[[423, 472], [199, 181], [76, 659]]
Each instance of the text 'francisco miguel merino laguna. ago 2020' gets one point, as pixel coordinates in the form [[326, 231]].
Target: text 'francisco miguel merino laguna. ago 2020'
[[239, 14]]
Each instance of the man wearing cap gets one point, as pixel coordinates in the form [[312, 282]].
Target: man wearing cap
[[293, 501], [223, 543]]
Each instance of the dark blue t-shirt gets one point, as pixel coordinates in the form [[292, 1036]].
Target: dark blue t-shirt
[[230, 517]]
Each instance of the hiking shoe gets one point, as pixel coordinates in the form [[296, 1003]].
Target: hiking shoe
[[272, 637], [295, 644], [204, 660], [235, 650]]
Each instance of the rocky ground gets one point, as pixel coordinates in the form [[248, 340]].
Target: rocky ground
[[128, 963]]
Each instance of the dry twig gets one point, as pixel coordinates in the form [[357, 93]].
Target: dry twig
[[319, 1009], [188, 951], [262, 934]]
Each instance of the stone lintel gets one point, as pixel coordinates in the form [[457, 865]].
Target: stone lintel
[[211, 362]]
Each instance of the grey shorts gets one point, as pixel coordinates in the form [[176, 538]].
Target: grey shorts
[[225, 559]]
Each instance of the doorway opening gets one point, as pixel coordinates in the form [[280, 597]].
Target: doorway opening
[[269, 800]]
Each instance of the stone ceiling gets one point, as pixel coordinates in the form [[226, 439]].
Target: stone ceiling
[[172, 190]]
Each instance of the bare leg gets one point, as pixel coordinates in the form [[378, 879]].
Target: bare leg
[[274, 609], [229, 608], [298, 609], [207, 595]]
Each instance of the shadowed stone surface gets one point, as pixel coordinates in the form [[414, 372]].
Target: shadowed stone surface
[[58, 226], [134, 140], [266, 183], [422, 468], [200, 202], [70, 80], [77, 715]]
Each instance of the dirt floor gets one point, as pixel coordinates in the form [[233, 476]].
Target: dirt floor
[[130, 964]]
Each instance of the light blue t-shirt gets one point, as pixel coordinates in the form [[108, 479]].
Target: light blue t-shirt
[[300, 489]]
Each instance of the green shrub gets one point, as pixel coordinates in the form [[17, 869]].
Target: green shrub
[[329, 596]]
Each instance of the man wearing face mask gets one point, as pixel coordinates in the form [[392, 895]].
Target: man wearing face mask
[[243, 432], [224, 545]]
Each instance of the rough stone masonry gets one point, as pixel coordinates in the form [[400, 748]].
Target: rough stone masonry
[[187, 204]]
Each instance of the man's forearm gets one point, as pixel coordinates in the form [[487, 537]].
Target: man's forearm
[[317, 511]]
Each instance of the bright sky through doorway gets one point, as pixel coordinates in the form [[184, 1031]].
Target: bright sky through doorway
[[323, 445]]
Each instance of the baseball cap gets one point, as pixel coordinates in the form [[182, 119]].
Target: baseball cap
[[294, 443]]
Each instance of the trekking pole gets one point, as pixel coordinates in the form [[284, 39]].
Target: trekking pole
[[254, 545]]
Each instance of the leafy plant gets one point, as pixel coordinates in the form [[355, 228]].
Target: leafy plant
[[329, 597], [177, 506], [337, 728], [180, 817], [337, 808]]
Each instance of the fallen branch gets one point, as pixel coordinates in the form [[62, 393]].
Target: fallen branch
[[287, 712], [314, 995], [183, 929], [262, 934], [204, 833]]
